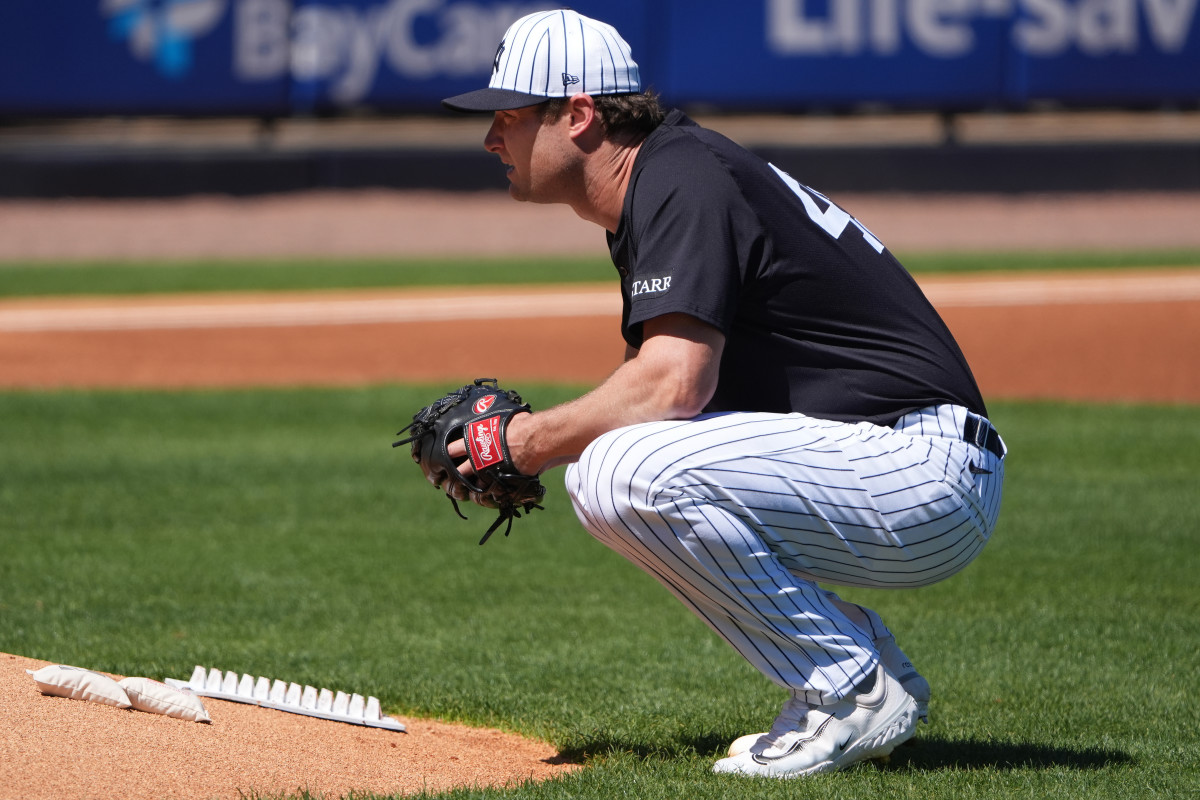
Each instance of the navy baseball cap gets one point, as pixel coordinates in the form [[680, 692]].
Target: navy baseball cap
[[551, 54]]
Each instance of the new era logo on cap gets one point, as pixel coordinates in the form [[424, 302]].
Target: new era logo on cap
[[551, 54]]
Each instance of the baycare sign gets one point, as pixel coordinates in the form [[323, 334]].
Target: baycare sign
[[347, 53]]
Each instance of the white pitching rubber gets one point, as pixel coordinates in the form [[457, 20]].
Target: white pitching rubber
[[290, 697]]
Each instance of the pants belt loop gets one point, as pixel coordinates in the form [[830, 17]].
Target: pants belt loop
[[981, 433]]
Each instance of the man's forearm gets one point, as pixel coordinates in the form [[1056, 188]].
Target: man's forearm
[[671, 377]]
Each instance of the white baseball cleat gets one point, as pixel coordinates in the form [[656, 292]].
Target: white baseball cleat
[[892, 657], [894, 660], [867, 723]]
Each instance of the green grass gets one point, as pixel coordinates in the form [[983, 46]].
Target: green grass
[[1038, 261], [70, 278], [18, 279], [278, 533]]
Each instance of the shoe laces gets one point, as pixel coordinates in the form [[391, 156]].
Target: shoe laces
[[790, 720]]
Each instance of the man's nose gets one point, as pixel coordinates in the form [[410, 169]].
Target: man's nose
[[493, 140]]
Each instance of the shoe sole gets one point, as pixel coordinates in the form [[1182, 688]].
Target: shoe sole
[[898, 730]]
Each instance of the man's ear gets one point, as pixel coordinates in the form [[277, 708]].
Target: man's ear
[[581, 113]]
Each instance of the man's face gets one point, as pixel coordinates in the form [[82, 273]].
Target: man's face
[[533, 152]]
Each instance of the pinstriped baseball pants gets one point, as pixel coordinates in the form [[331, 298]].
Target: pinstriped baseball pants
[[740, 515]]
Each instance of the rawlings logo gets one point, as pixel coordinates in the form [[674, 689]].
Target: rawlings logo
[[482, 438], [483, 404]]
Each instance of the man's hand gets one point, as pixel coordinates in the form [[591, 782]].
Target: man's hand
[[513, 436], [460, 443]]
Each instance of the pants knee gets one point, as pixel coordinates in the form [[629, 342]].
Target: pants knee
[[599, 485]]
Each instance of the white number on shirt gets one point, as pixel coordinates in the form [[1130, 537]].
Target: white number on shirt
[[832, 220]]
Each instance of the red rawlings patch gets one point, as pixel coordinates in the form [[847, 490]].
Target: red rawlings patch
[[483, 442], [483, 404]]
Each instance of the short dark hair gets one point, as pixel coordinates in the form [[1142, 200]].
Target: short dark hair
[[625, 117]]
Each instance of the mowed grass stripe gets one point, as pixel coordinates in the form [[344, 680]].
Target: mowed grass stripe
[[30, 279]]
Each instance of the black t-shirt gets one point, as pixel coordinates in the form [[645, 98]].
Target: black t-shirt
[[818, 316]]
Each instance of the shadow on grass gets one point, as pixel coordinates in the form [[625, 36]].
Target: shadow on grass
[[924, 753], [935, 753]]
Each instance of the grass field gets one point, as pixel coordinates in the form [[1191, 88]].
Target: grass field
[[23, 280], [278, 533]]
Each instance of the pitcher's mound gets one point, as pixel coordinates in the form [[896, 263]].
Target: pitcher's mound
[[53, 748]]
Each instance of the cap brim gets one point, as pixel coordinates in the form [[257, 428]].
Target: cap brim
[[487, 100]]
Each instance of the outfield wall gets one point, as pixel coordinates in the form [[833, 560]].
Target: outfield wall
[[288, 57]]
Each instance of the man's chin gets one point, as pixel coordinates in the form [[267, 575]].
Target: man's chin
[[523, 195]]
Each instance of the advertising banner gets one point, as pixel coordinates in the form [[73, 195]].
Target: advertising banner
[[799, 54], [279, 57], [409, 54], [1119, 52], [137, 56]]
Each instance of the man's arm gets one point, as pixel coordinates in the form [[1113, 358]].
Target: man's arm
[[672, 376]]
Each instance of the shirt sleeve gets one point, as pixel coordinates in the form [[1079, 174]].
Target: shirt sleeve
[[687, 228]]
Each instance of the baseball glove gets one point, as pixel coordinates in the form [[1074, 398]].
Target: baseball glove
[[479, 413]]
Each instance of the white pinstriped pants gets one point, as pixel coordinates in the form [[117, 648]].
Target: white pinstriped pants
[[739, 515]]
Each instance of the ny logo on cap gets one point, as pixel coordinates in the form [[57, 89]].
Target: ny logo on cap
[[496, 62], [538, 49]]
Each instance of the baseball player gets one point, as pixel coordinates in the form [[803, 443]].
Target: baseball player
[[791, 410]]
